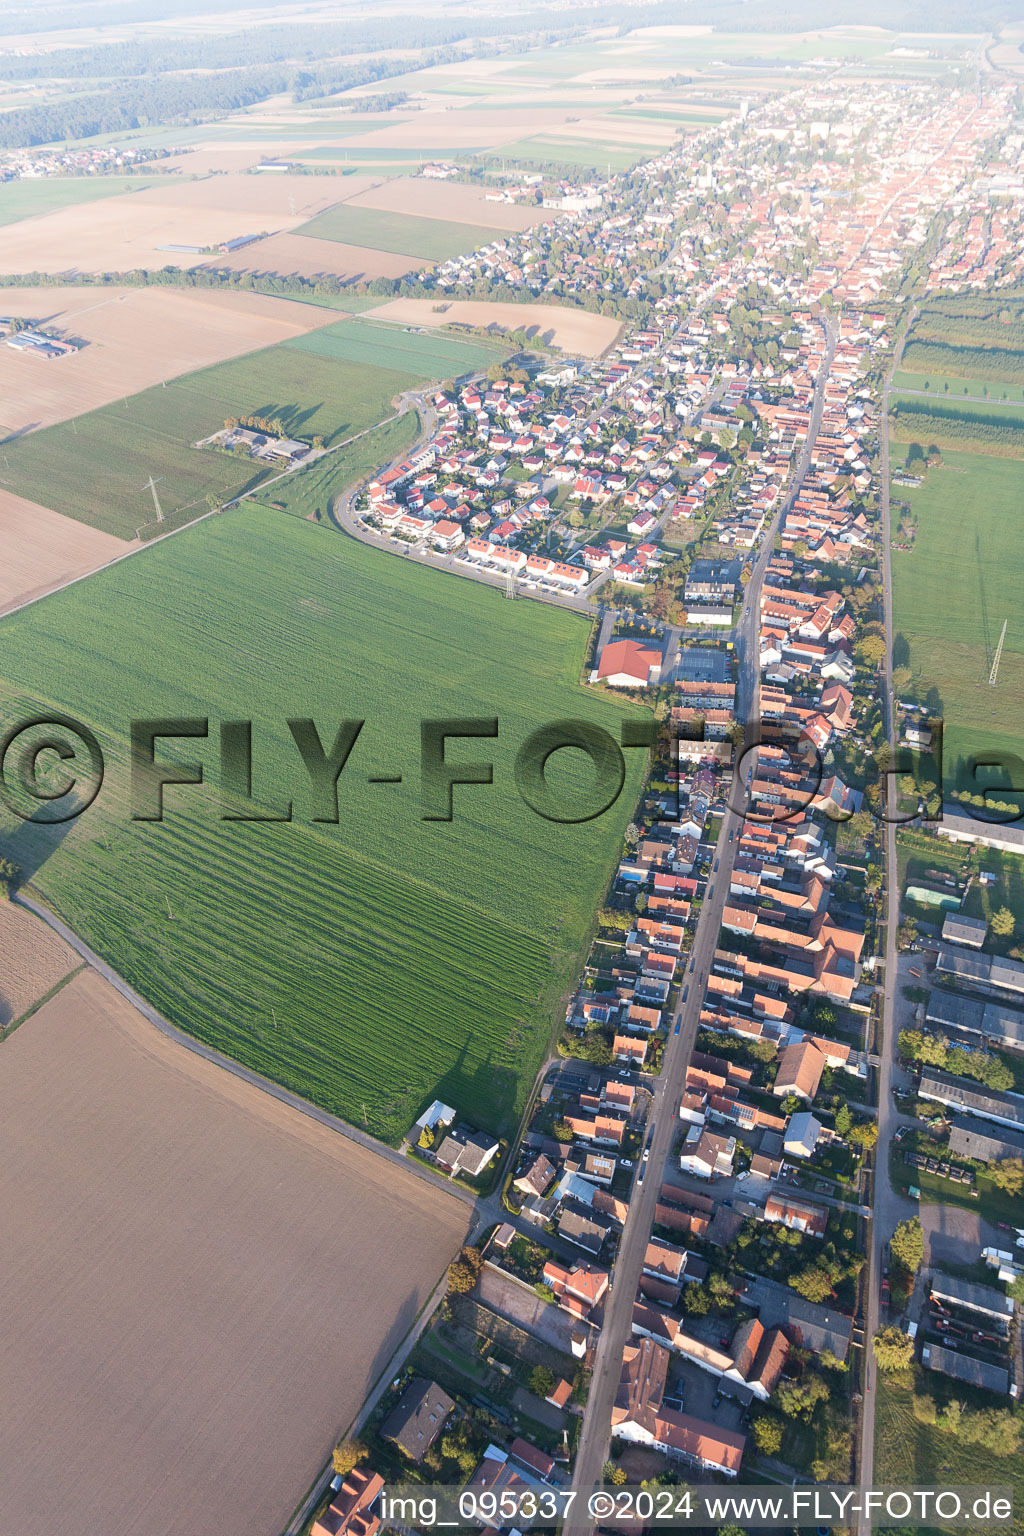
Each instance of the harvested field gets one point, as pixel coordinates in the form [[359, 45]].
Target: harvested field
[[574, 330], [464, 129], [41, 550], [135, 337], [306, 257], [35, 960], [453, 200], [200, 1284], [273, 196], [122, 233]]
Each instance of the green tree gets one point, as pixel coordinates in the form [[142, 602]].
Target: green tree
[[865, 1134], [815, 1282], [1008, 1175], [10, 875], [798, 1399], [542, 1380], [1003, 923], [347, 1455], [907, 1246], [893, 1349], [767, 1433]]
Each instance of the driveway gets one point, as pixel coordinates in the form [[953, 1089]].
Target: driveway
[[953, 1235]]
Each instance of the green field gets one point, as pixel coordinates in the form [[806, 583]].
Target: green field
[[951, 594], [909, 1454], [403, 233], [24, 199], [948, 388], [549, 150], [430, 355], [96, 468], [369, 964], [968, 426], [309, 493]]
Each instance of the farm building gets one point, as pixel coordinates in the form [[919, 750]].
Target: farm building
[[968, 1139], [993, 1021], [978, 1373], [958, 929], [986, 1103], [976, 1298]]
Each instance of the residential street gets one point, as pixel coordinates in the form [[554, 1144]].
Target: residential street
[[615, 1334]]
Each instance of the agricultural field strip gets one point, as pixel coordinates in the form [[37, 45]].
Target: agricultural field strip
[[404, 235], [442, 953]]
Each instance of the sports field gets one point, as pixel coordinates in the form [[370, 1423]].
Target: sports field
[[970, 549], [97, 468], [369, 965], [405, 234], [200, 1284]]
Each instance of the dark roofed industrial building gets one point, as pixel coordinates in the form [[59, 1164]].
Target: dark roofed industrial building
[[976, 1298], [973, 1016], [994, 1378], [985, 1145], [981, 970], [958, 929], [986, 1103]]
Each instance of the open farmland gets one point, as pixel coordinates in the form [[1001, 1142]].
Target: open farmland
[[97, 468], [406, 234], [367, 965], [132, 338], [574, 330], [27, 199], [301, 256], [200, 1283], [120, 234], [35, 960], [976, 563], [42, 549], [434, 356], [452, 200]]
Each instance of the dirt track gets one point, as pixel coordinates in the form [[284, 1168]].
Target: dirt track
[[199, 1284]]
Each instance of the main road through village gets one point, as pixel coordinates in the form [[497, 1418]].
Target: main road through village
[[663, 1120]]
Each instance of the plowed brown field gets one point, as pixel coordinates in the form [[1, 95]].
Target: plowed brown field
[[199, 1284], [41, 550], [134, 337]]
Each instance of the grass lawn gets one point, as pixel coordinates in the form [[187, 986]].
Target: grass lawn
[[369, 965], [992, 1203], [908, 1453], [970, 549], [378, 344], [404, 233], [96, 469], [24, 199]]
